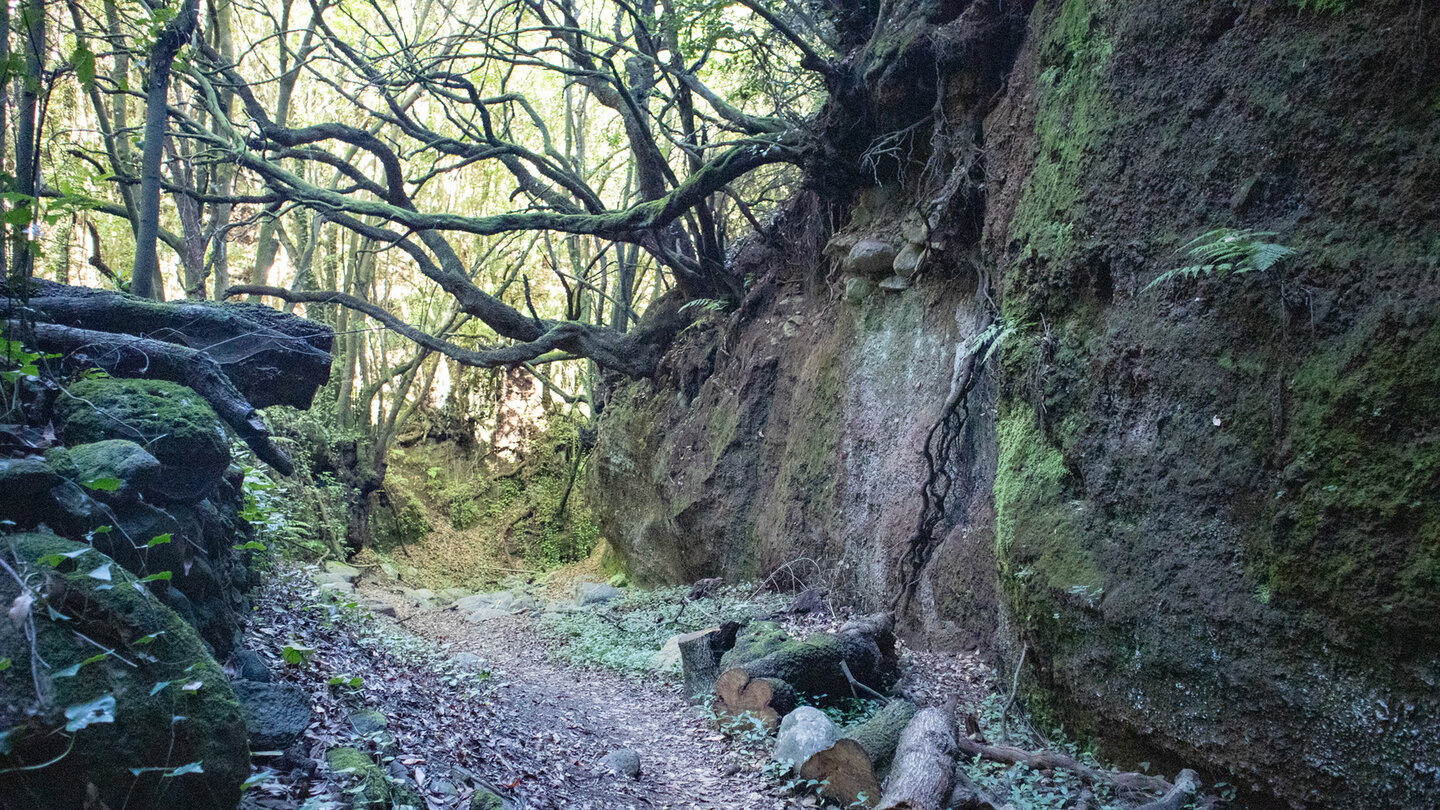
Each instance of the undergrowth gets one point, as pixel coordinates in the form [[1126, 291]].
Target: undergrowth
[[626, 634]]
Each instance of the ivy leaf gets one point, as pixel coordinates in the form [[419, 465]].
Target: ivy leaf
[[102, 484], [158, 687], [149, 638], [163, 575], [158, 540], [72, 671], [84, 715], [84, 62], [193, 686], [193, 767], [102, 573]]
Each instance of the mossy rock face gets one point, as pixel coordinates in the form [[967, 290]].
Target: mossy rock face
[[171, 422], [370, 790], [158, 703]]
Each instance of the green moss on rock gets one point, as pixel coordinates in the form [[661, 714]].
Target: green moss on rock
[[157, 724], [170, 421], [370, 790]]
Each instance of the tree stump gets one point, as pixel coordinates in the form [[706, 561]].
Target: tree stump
[[700, 654]]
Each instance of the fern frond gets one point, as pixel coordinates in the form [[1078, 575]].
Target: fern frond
[[1226, 251]]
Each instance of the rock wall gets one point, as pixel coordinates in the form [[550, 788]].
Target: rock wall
[[1205, 510]]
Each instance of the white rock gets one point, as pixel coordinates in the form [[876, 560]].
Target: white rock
[[803, 733]]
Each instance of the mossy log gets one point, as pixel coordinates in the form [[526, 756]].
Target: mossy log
[[271, 358], [765, 699], [851, 769], [924, 764], [813, 666]]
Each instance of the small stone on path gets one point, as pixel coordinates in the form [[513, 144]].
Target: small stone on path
[[623, 761]]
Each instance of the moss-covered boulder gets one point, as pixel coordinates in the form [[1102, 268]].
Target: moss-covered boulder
[[170, 421], [117, 470], [117, 696]]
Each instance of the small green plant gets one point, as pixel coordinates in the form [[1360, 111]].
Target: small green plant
[[1327, 6], [296, 653], [1226, 252]]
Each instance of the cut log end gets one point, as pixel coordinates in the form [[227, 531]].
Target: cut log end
[[765, 699], [847, 774]]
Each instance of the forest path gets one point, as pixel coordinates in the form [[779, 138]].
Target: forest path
[[569, 717]]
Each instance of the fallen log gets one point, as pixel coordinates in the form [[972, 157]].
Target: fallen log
[[271, 358], [879, 735], [865, 646], [765, 699], [850, 770], [129, 356], [924, 764], [846, 774]]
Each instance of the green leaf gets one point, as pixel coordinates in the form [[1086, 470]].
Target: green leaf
[[163, 575], [158, 540], [70, 672], [149, 638], [102, 573], [193, 767], [254, 545], [158, 687], [84, 63], [5, 663], [102, 484], [84, 715]]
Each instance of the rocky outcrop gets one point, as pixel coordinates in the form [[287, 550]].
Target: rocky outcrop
[[1205, 510]]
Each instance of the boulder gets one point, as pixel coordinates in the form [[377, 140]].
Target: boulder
[[804, 732], [623, 761], [469, 660], [172, 422], [112, 715], [858, 288], [450, 595], [908, 261], [868, 257], [332, 579], [129, 468], [525, 602], [485, 614], [423, 598], [276, 714], [346, 572], [594, 593], [379, 607]]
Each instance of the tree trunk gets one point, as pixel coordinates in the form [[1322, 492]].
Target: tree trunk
[[924, 764], [145, 280], [32, 20]]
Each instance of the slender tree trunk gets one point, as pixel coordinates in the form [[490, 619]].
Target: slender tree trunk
[[145, 280], [32, 20]]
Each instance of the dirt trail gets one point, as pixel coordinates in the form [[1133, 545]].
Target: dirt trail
[[568, 718]]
